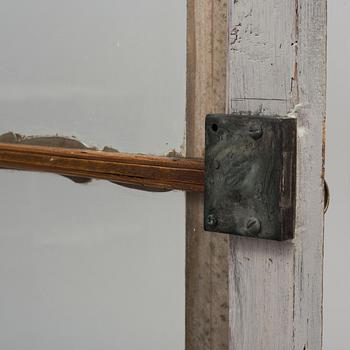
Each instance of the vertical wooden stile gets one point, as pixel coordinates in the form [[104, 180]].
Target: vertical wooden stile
[[207, 325], [277, 63]]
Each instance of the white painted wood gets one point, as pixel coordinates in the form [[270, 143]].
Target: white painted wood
[[277, 60]]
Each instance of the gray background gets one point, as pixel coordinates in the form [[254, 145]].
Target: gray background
[[337, 232], [98, 266]]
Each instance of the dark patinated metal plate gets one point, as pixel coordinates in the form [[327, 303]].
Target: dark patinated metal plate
[[250, 175]]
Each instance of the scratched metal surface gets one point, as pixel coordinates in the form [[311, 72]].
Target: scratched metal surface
[[250, 175]]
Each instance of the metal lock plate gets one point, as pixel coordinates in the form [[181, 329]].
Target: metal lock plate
[[250, 175]]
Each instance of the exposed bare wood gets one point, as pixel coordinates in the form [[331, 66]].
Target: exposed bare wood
[[206, 253], [162, 173], [277, 61]]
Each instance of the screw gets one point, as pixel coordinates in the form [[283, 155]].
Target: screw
[[255, 132], [253, 226], [212, 220]]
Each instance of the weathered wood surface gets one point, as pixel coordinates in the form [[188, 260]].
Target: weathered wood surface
[[278, 61], [150, 172], [206, 253]]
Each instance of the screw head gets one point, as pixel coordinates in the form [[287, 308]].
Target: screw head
[[212, 220], [255, 132], [253, 226]]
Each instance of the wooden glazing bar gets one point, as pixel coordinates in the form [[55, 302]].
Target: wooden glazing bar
[[159, 173]]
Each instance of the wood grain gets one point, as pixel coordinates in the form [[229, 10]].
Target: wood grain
[[277, 63], [206, 253], [159, 173]]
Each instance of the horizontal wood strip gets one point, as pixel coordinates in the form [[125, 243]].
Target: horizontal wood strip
[[161, 173]]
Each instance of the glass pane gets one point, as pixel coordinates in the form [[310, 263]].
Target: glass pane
[[93, 266], [89, 267], [109, 72]]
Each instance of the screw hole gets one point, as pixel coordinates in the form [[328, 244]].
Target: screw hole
[[214, 127]]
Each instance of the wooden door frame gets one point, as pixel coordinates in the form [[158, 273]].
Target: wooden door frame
[[207, 303]]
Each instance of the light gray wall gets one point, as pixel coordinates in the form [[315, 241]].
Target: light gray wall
[[92, 266], [337, 233]]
